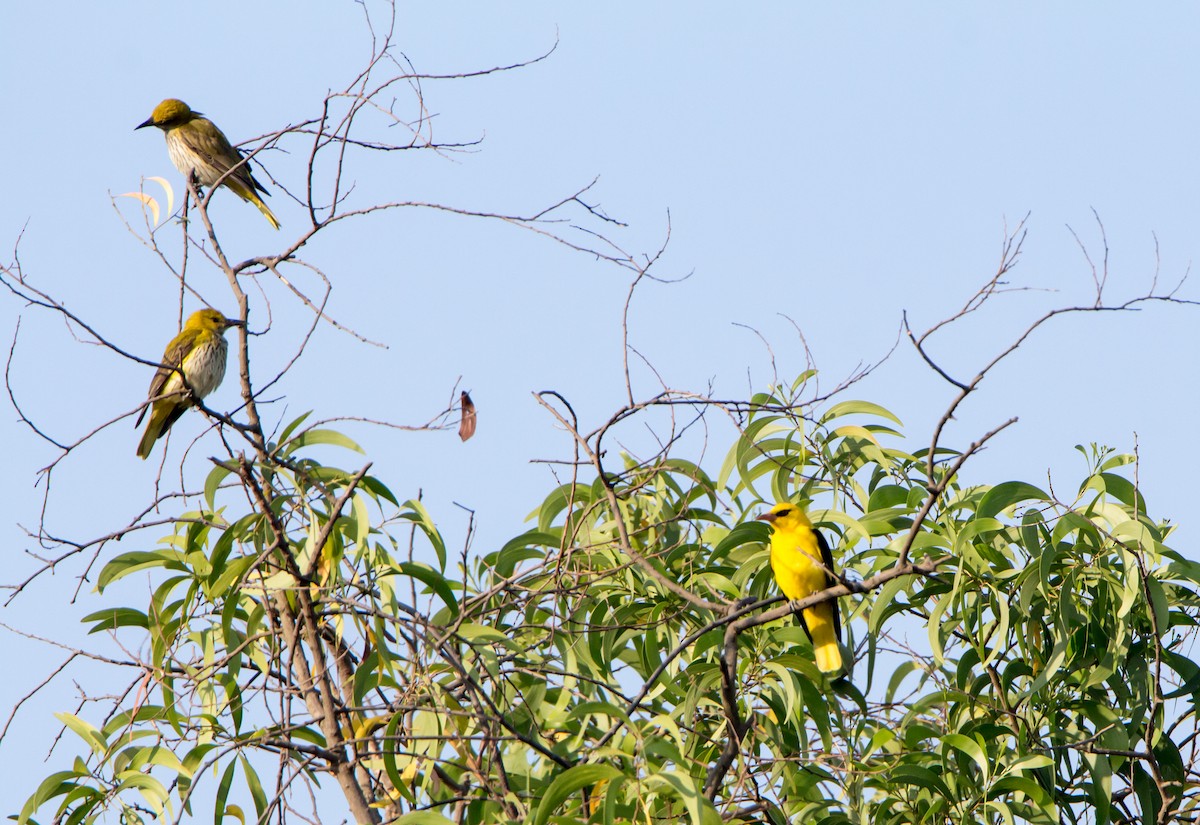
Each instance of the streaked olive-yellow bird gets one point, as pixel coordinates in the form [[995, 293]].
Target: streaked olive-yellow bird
[[803, 565], [200, 151], [199, 352]]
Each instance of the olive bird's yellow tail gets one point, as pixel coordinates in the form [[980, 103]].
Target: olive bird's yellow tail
[[248, 194]]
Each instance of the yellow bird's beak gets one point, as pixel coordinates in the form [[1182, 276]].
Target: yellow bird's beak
[[767, 517]]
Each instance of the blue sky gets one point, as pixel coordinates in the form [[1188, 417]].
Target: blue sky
[[830, 165]]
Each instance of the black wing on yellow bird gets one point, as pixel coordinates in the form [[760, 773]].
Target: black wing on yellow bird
[[830, 581]]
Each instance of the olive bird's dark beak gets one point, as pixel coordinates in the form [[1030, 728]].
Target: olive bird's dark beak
[[147, 122]]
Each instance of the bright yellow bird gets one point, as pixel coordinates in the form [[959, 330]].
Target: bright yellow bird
[[803, 565], [202, 153]]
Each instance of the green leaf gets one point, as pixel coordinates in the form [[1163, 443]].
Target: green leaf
[[427, 575], [1149, 798], [1120, 488], [116, 617], [291, 428], [748, 532], [567, 783], [971, 748], [255, 787], [150, 788], [211, 484], [310, 438], [88, 733], [887, 496], [1002, 496], [1100, 770], [391, 734], [418, 515], [859, 408], [378, 490], [56, 784], [361, 519], [900, 674], [700, 810], [126, 563], [922, 778], [529, 545], [555, 503], [223, 792]]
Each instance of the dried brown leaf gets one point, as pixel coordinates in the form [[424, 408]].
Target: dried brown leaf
[[466, 426]]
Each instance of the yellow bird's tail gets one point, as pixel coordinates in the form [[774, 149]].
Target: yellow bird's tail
[[266, 210], [818, 621], [146, 445], [246, 193], [262, 207]]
